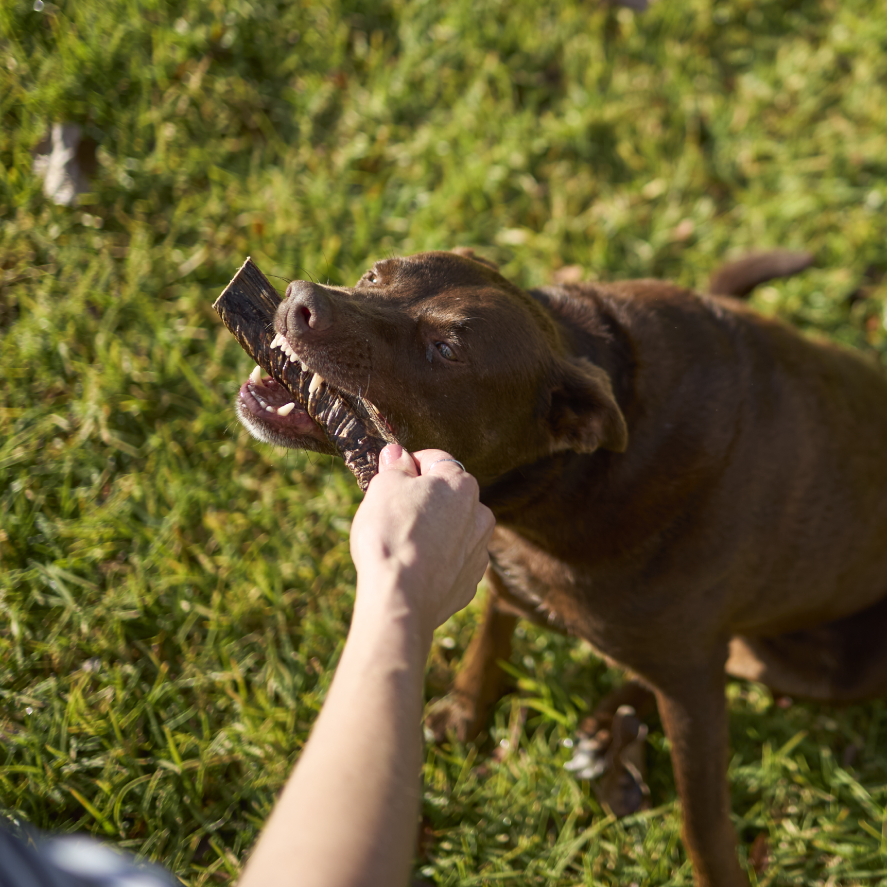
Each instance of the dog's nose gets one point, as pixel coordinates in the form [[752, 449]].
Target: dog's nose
[[307, 309]]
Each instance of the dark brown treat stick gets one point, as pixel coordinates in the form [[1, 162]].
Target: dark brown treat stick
[[247, 307]]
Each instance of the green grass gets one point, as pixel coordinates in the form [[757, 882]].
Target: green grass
[[174, 596]]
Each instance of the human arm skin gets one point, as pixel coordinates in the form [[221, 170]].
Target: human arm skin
[[347, 816]]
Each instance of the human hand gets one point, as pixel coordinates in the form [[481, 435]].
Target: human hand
[[422, 532]]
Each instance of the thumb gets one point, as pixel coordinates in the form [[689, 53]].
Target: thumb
[[395, 457]]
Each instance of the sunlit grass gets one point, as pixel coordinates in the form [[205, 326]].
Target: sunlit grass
[[174, 596]]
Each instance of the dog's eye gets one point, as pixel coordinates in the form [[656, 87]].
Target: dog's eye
[[445, 350], [371, 277]]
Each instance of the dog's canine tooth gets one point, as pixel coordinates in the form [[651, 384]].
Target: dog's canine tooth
[[286, 409], [316, 381], [256, 375], [275, 341]]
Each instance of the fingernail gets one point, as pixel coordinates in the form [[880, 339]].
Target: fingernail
[[391, 453]]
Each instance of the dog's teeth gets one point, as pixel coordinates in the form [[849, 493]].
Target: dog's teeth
[[269, 409], [256, 375], [286, 409], [304, 366], [316, 382]]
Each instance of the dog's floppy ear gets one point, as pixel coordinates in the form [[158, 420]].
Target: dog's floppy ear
[[583, 414], [468, 253]]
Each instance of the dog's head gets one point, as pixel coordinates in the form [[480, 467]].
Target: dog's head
[[441, 351]]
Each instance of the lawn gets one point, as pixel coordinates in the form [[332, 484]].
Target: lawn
[[173, 595]]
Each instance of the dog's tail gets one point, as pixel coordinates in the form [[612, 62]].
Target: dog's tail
[[740, 277]]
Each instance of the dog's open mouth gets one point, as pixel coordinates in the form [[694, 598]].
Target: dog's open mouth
[[274, 414], [291, 405]]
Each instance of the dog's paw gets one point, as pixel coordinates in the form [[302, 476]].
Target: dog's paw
[[452, 717], [614, 759]]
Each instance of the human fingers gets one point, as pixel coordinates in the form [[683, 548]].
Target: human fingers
[[478, 540], [474, 563], [485, 523], [379, 517], [395, 457], [471, 557], [438, 462]]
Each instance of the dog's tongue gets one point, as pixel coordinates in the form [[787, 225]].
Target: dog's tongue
[[247, 307]]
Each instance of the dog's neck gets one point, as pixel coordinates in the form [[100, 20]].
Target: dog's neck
[[516, 494]]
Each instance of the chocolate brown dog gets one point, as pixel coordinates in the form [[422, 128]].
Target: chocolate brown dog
[[683, 483]]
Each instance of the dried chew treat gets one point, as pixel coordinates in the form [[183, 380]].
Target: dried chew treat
[[247, 307]]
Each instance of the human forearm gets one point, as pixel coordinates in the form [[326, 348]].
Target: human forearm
[[347, 817], [348, 813]]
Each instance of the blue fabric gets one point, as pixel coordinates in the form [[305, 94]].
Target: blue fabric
[[36, 860]]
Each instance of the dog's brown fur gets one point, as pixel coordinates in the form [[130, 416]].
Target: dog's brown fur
[[675, 478]]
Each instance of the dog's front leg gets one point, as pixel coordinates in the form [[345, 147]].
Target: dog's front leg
[[694, 714], [480, 681]]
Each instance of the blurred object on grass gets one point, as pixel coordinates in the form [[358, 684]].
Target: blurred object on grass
[[65, 160]]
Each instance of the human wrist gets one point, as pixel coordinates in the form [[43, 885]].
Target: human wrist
[[388, 601]]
